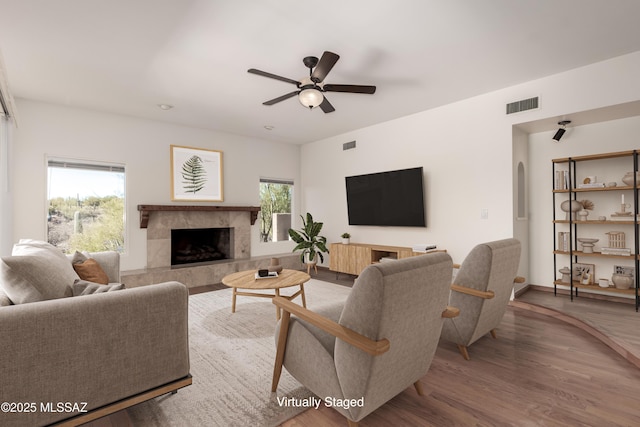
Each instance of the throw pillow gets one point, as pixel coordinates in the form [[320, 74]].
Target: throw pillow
[[91, 271], [31, 278], [84, 287]]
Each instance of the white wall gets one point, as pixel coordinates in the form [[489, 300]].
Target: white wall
[[143, 146], [610, 136], [466, 149]]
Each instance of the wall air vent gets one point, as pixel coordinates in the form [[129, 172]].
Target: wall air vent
[[348, 145], [524, 105]]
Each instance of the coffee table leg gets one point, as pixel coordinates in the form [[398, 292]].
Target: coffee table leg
[[304, 299], [233, 301], [277, 308]]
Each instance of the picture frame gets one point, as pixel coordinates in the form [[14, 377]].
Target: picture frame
[[196, 174], [584, 273]]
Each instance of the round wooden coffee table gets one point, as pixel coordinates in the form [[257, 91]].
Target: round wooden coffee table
[[247, 280]]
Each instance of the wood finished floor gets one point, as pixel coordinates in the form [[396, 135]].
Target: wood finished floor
[[539, 372]]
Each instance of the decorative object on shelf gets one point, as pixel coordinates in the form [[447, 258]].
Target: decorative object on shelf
[[571, 207], [603, 283], [309, 242], [345, 238], [617, 244], [628, 178], [196, 174], [612, 184], [275, 266], [584, 273], [622, 280], [591, 182], [566, 275], [587, 244], [602, 218]]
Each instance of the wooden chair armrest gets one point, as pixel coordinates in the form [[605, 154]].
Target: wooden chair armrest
[[473, 292], [451, 312], [456, 265], [519, 279], [347, 335]]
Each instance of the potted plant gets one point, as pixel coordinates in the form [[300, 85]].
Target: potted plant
[[345, 238], [309, 241]]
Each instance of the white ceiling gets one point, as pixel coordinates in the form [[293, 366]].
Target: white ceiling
[[127, 56]]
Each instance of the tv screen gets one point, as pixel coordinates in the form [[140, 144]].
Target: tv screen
[[394, 198]]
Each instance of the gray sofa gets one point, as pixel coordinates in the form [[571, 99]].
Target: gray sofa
[[80, 358]]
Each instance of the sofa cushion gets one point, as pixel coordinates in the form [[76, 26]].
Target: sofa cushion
[[91, 271], [84, 287], [36, 271]]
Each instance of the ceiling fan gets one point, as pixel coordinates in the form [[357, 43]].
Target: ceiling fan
[[311, 89]]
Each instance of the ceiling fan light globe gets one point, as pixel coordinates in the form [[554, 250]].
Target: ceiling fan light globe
[[310, 98]]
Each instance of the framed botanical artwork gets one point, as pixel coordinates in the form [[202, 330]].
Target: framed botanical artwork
[[584, 273], [196, 174]]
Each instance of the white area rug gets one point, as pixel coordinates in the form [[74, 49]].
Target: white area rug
[[232, 358]]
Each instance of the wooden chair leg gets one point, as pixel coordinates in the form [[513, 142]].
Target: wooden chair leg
[[418, 386], [463, 351], [493, 334], [282, 346], [352, 423]]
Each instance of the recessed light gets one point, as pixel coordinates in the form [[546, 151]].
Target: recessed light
[[268, 127], [165, 106]]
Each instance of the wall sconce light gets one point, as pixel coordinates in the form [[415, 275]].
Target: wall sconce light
[[563, 128]]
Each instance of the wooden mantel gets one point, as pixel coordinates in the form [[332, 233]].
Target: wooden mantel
[[145, 210]]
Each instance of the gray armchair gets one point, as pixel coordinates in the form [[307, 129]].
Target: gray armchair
[[375, 346], [481, 290]]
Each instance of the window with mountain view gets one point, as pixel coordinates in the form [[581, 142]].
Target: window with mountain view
[[86, 206]]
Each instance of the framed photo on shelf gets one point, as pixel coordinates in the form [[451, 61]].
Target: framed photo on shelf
[[196, 174], [584, 273]]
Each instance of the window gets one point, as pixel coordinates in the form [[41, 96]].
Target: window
[[275, 209], [86, 206]]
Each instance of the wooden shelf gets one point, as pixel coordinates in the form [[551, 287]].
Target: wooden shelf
[[630, 291], [595, 156], [584, 190], [145, 210], [607, 222], [594, 254]]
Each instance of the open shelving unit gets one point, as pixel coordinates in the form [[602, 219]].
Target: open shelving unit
[[565, 183]]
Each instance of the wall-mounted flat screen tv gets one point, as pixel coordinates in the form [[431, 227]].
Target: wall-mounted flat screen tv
[[393, 198]]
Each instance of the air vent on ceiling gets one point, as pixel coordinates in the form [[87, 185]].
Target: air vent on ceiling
[[348, 145], [523, 105]]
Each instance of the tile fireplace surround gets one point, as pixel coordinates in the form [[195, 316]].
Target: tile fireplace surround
[[161, 219]]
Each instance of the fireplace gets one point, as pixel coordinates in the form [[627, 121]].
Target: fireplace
[[200, 245]]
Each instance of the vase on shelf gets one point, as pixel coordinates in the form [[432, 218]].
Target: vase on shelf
[[566, 275], [571, 207], [622, 280], [628, 178]]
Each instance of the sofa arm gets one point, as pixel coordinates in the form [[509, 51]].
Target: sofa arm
[[94, 349]]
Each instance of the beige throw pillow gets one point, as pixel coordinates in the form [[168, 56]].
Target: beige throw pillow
[[36, 271]]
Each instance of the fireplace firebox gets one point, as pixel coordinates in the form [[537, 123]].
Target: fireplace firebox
[[198, 245]]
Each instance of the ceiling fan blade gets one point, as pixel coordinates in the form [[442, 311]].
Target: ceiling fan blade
[[349, 88], [325, 65], [326, 106], [281, 98], [273, 76]]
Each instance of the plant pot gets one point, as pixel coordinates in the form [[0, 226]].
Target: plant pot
[[345, 240]]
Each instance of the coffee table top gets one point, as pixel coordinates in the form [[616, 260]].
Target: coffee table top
[[247, 280]]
